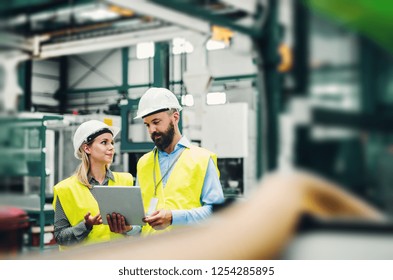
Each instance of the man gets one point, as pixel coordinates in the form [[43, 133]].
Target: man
[[179, 181]]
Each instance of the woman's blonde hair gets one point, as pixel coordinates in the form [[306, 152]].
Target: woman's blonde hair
[[83, 169]]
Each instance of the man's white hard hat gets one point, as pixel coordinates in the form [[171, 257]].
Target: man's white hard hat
[[155, 100], [91, 129]]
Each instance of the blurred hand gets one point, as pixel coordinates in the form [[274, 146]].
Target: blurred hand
[[159, 219], [117, 223], [90, 221]]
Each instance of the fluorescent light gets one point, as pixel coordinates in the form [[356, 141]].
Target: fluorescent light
[[181, 45], [145, 50], [216, 98], [212, 45], [109, 42], [101, 13], [187, 100]]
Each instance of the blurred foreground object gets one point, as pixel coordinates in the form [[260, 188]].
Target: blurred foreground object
[[269, 221], [341, 239], [370, 18], [13, 223]]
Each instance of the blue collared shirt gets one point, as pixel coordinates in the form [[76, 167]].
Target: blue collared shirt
[[211, 191]]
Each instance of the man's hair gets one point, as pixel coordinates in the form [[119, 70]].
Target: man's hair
[[172, 110]]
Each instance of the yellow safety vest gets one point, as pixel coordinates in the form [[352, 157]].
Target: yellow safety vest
[[184, 185], [76, 200]]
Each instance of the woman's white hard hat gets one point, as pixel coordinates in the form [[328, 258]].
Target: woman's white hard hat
[[87, 129], [156, 99]]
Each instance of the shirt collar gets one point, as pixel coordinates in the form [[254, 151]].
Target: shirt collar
[[183, 143], [108, 176]]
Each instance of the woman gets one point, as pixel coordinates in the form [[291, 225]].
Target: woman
[[77, 218]]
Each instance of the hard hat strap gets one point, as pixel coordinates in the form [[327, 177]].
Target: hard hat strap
[[91, 137]]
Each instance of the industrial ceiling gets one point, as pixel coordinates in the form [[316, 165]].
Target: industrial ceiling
[[52, 28]]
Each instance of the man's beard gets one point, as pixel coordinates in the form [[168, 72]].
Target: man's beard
[[166, 137]]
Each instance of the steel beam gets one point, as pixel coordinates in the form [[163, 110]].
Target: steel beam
[[164, 33], [165, 14]]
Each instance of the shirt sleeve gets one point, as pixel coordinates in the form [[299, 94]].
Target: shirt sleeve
[[211, 194], [135, 231], [65, 234]]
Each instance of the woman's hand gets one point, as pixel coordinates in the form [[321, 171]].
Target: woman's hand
[[117, 223], [90, 221]]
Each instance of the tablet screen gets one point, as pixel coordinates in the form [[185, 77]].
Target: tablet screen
[[125, 200]]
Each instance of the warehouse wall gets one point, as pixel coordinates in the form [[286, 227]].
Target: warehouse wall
[[333, 58], [87, 72], [45, 83]]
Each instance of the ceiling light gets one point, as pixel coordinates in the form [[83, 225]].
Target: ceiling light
[[145, 50], [181, 45], [212, 45], [187, 100], [98, 14], [216, 98]]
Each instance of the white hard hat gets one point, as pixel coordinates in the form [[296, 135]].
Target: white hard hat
[[156, 99], [91, 129]]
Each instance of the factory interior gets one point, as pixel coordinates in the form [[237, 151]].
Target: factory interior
[[264, 84]]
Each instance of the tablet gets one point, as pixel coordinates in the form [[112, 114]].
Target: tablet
[[125, 200]]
